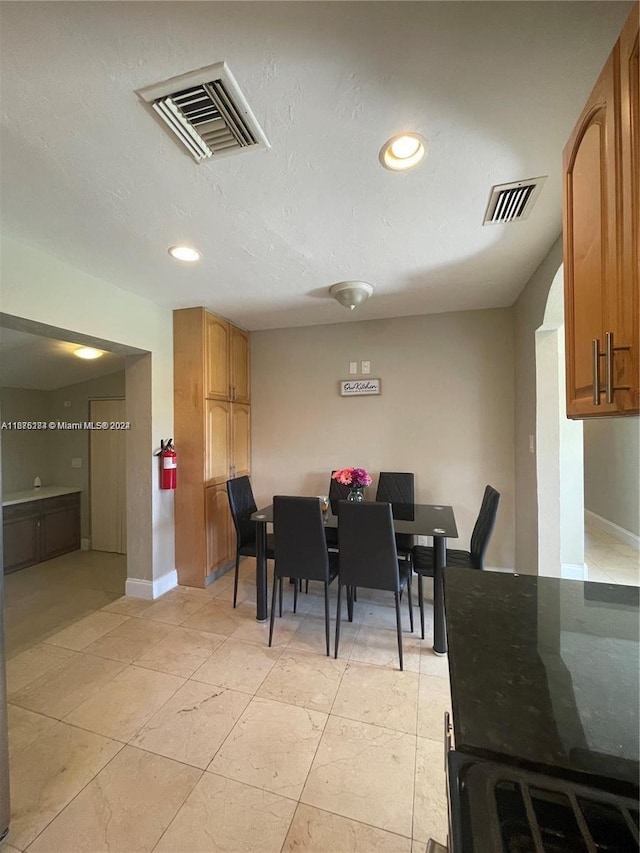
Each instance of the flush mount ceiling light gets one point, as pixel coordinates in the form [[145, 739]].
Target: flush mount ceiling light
[[184, 253], [403, 152], [88, 353], [350, 294]]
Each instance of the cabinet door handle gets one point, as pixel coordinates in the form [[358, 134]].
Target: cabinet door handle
[[595, 365], [609, 350]]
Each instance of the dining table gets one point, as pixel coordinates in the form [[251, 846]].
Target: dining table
[[436, 520]]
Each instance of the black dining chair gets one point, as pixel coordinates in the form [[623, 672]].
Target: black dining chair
[[337, 492], [423, 556], [398, 488], [242, 505], [301, 551], [368, 558]]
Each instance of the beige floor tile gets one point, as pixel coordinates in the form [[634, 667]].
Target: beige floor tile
[[126, 807], [181, 652], [46, 775], [193, 724], [315, 831], [272, 747], [25, 727], [130, 640], [299, 678], [32, 664], [433, 664], [58, 692], [217, 616], [238, 665], [126, 703], [8, 848], [175, 610], [430, 803], [83, 632], [383, 697], [310, 636], [258, 632], [379, 646], [364, 772], [223, 816], [434, 699], [128, 605]]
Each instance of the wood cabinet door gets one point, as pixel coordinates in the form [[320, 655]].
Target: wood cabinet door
[[627, 362], [60, 531], [240, 384], [217, 468], [590, 256], [240, 439], [216, 357], [220, 541], [21, 539]]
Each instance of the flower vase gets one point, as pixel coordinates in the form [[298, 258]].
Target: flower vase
[[356, 494]]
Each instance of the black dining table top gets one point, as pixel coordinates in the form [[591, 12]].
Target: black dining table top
[[416, 519]]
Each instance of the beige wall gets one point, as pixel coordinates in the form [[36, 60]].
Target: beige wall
[[528, 316], [43, 290], [445, 412], [612, 470], [25, 453]]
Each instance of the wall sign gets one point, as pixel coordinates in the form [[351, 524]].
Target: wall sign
[[358, 387]]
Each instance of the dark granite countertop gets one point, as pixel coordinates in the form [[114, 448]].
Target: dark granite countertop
[[545, 672]]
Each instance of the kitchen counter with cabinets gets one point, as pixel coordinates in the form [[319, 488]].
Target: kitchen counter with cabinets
[[39, 524]]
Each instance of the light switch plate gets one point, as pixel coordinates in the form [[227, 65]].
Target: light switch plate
[[76, 462], [353, 367], [366, 367]]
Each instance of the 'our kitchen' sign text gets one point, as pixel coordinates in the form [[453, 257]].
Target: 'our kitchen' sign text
[[356, 387]]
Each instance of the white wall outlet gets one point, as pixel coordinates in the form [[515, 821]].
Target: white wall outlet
[[67, 404], [366, 367], [532, 445], [76, 462], [353, 367]]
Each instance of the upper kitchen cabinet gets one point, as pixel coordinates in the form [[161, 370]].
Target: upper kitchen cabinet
[[601, 238], [239, 365]]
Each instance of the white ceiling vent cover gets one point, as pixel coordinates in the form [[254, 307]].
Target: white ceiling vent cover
[[207, 112], [511, 202]]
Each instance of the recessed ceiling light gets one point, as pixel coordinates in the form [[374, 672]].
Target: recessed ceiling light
[[184, 253], [403, 151], [88, 353]]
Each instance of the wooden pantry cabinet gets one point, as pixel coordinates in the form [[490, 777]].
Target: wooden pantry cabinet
[[601, 164], [212, 417]]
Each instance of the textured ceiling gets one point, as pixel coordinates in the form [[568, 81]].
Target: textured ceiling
[[91, 176]]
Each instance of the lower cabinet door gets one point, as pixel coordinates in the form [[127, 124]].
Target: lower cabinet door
[[60, 531], [220, 541], [21, 541]]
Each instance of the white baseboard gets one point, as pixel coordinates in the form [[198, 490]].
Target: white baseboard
[[85, 544], [138, 588], [614, 530], [573, 571]]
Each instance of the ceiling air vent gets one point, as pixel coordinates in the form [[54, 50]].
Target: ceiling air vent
[[509, 202], [207, 112]]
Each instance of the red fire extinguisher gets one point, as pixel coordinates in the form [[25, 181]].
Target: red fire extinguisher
[[168, 464]]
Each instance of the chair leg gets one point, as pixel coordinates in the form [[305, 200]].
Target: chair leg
[[306, 587], [338, 619], [235, 580], [280, 595], [350, 594], [326, 615], [295, 597], [421, 603], [273, 605], [399, 628], [410, 603]]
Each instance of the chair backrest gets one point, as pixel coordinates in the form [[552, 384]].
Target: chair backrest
[[483, 527], [368, 555], [395, 487], [298, 537], [242, 505], [337, 492]]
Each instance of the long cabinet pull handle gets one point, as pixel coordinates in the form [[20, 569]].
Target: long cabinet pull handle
[[609, 350], [595, 364]]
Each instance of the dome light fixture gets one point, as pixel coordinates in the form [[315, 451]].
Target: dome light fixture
[[350, 294], [184, 253], [88, 353], [403, 152]]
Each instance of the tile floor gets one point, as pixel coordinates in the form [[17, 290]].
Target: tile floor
[[171, 725]]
